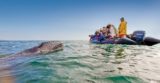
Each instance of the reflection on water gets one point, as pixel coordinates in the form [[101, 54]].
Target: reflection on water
[[81, 62]]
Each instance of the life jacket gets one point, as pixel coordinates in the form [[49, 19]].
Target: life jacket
[[122, 28]]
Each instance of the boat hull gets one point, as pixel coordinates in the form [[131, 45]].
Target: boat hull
[[151, 41], [147, 41]]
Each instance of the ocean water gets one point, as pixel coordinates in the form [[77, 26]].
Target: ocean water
[[81, 62]]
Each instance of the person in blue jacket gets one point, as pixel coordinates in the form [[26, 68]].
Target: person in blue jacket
[[98, 37]]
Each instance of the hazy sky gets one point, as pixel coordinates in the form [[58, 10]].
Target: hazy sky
[[74, 19]]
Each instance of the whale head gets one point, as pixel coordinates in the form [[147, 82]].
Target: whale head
[[43, 48], [49, 46]]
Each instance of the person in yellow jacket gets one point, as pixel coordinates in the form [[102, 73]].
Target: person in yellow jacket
[[122, 30]]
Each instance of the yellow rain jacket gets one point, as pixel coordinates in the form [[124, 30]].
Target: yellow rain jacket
[[122, 30]]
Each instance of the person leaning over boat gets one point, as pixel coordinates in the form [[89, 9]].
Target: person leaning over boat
[[112, 32], [122, 29]]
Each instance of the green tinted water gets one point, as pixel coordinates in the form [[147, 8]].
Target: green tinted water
[[82, 62]]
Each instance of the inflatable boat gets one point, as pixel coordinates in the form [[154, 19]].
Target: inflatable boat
[[138, 38]]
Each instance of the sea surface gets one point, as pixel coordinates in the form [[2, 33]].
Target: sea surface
[[81, 62]]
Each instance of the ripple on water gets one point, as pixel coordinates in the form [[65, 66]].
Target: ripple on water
[[119, 79], [82, 62]]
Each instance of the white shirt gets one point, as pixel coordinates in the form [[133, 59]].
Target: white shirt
[[113, 31]]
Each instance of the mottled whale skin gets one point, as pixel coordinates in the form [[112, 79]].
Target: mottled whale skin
[[43, 48]]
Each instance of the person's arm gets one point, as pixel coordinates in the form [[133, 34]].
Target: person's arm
[[119, 27], [115, 30]]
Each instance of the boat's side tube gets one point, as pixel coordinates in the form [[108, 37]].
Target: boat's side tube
[[125, 41], [151, 41]]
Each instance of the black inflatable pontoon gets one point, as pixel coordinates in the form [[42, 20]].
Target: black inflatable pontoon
[[138, 38], [151, 41]]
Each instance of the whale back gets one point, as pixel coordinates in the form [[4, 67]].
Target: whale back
[[43, 48]]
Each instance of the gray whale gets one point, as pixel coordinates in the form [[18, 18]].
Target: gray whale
[[43, 48]]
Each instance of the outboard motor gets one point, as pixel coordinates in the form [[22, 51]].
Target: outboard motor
[[138, 36]]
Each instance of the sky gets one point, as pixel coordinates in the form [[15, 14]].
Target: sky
[[74, 19]]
